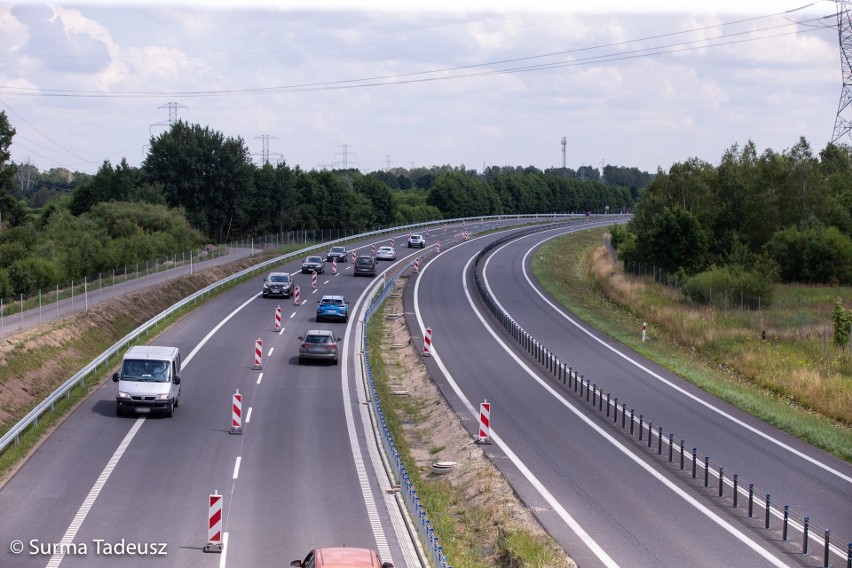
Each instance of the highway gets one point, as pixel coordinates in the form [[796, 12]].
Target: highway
[[306, 471], [605, 500], [303, 474]]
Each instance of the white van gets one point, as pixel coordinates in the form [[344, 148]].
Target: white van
[[149, 380]]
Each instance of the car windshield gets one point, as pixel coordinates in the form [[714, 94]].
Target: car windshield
[[145, 370], [279, 278], [313, 259], [338, 249]]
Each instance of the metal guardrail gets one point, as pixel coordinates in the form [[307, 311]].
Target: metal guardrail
[[418, 513], [32, 417], [427, 533], [763, 513]]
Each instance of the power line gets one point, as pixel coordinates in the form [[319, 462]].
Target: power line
[[460, 72]]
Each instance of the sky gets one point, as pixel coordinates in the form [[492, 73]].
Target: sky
[[377, 85]]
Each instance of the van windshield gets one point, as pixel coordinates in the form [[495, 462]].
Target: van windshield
[[145, 370]]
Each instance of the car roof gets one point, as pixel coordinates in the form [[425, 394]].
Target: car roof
[[318, 332], [346, 557], [332, 297]]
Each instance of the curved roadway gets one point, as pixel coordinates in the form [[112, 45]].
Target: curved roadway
[[604, 498]]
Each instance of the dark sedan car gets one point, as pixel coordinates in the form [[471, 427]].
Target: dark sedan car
[[336, 253], [277, 284], [313, 264]]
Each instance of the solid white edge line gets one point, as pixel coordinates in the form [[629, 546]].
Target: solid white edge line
[[668, 383], [354, 444], [223, 559], [735, 532], [89, 501], [596, 549], [84, 509]]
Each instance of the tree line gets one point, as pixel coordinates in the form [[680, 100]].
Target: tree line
[[197, 186], [753, 220]]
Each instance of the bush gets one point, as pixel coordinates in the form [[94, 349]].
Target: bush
[[713, 286]]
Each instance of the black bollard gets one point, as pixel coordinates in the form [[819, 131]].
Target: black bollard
[[750, 499], [706, 471], [681, 455], [736, 490], [721, 481], [786, 522], [671, 447], [631, 421], [607, 405], [805, 535], [694, 457], [766, 522], [660, 441]]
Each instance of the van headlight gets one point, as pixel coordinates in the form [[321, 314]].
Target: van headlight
[[163, 396], [122, 394]]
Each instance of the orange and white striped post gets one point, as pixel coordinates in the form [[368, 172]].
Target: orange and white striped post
[[373, 248], [416, 265], [334, 266], [236, 413], [466, 234], [296, 296], [277, 319], [354, 256], [258, 355], [391, 242], [427, 342], [644, 329], [484, 422], [214, 523], [314, 279], [438, 247]]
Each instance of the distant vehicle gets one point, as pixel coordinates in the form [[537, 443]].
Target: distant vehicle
[[343, 557], [149, 380], [386, 253], [333, 308], [313, 264], [277, 284], [365, 265], [318, 345], [416, 240], [336, 253]]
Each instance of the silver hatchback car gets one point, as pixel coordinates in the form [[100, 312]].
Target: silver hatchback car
[[318, 345]]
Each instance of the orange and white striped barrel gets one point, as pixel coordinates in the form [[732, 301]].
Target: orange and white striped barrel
[[484, 421], [296, 296], [237, 413], [214, 523], [278, 318], [258, 354], [427, 342]]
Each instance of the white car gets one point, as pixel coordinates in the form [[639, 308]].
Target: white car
[[386, 253]]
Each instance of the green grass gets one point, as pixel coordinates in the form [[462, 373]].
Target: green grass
[[462, 528], [720, 352]]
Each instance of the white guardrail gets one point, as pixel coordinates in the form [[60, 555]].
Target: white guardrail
[[426, 532]]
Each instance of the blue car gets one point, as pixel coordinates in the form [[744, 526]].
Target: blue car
[[333, 308]]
